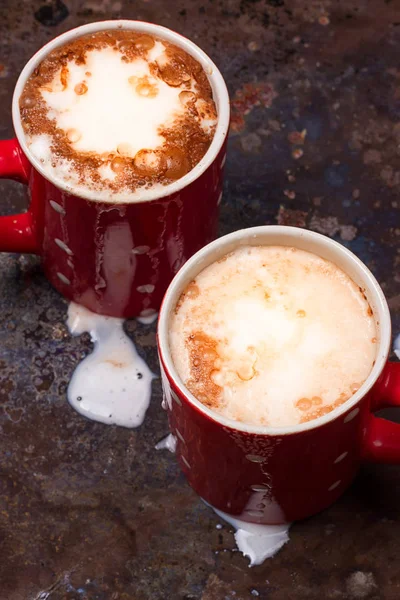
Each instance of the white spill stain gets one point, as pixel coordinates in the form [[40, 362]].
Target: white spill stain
[[113, 383], [396, 346], [167, 443], [257, 542]]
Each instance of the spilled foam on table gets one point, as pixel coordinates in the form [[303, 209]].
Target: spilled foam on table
[[167, 443], [254, 540], [111, 385]]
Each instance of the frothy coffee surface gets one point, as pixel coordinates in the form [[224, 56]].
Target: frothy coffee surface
[[272, 335], [118, 112]]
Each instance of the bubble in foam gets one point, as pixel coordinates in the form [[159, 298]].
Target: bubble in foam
[[126, 46], [80, 88], [26, 101], [147, 89], [172, 72], [175, 78], [144, 86], [144, 42], [187, 97], [118, 164], [150, 161], [73, 135], [177, 163], [246, 372], [125, 149], [106, 157]]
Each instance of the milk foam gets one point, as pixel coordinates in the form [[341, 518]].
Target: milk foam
[[110, 107], [112, 112], [281, 336]]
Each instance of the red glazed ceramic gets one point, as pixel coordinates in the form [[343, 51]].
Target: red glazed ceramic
[[274, 475], [115, 258]]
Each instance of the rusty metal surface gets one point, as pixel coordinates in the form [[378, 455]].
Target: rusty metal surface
[[93, 512]]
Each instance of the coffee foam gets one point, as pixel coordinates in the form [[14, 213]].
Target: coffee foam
[[273, 336], [113, 115]]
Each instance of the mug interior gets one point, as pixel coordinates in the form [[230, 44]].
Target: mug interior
[[218, 86], [274, 235]]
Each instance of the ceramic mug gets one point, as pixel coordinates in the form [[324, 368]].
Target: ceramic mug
[[115, 258], [275, 475]]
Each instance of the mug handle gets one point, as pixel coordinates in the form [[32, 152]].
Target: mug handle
[[382, 437], [16, 231]]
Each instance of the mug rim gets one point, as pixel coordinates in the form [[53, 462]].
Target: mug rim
[[217, 82], [371, 284]]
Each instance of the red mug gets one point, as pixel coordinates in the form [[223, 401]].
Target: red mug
[[276, 475], [115, 258]]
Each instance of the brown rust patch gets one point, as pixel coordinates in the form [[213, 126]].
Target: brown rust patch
[[295, 218], [297, 153], [202, 357], [248, 97], [297, 137]]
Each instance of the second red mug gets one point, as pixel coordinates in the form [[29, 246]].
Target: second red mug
[[274, 475], [115, 258]]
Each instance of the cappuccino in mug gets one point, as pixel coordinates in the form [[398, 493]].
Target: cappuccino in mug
[[118, 112], [273, 336]]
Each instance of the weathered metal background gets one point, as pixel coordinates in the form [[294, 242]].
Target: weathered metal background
[[94, 512]]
